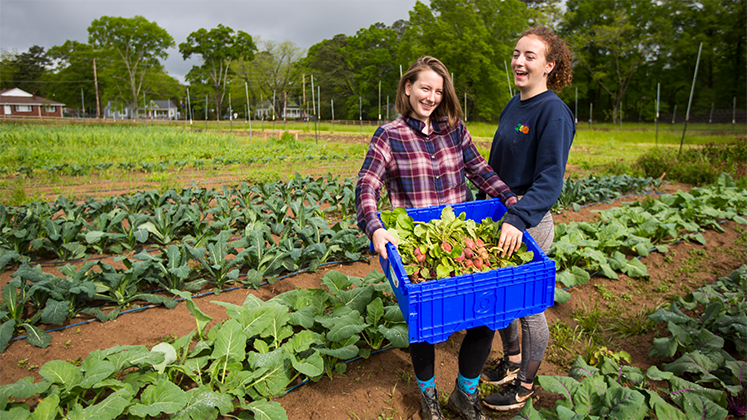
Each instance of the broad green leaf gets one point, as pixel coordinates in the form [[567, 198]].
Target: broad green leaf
[[693, 362], [700, 407], [6, 333], [374, 311], [275, 376], [230, 342], [55, 312], [666, 411], [581, 369], [22, 389], [36, 336], [20, 412], [562, 385], [47, 408], [311, 366], [346, 327], [108, 409], [169, 354], [264, 410], [528, 412], [203, 404], [561, 296], [336, 282], [357, 298], [635, 269], [343, 353], [95, 372], [161, 397], [625, 403], [302, 340], [575, 276], [62, 373], [398, 335]]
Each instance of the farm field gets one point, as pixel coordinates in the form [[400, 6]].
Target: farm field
[[603, 318]]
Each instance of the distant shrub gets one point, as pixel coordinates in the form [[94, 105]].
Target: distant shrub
[[700, 165]]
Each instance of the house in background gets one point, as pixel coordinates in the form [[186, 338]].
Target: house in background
[[290, 111], [19, 103], [155, 109]]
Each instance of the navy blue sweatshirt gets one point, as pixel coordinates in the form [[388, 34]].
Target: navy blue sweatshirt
[[529, 153]]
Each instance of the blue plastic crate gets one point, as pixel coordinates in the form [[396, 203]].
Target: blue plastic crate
[[435, 309]]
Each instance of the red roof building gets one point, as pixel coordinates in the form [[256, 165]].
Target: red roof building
[[19, 103]]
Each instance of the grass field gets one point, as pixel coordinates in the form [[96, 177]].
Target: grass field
[[143, 156]]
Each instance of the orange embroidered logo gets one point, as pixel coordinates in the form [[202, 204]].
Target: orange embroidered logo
[[522, 128]]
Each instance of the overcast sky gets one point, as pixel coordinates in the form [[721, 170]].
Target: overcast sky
[[25, 23]]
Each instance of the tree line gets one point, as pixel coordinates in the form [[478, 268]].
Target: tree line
[[626, 53]]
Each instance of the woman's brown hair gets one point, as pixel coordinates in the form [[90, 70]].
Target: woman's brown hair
[[555, 50], [449, 106]]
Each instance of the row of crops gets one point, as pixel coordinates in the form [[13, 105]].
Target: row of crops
[[264, 348], [189, 240], [32, 151]]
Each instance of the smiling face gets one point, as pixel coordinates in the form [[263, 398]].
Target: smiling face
[[530, 66], [425, 94]]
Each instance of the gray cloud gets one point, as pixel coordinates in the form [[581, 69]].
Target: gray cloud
[[24, 23]]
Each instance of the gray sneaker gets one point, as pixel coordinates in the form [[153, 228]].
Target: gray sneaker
[[429, 408], [466, 406], [504, 372]]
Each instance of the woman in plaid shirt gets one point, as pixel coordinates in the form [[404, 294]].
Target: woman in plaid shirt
[[423, 158]]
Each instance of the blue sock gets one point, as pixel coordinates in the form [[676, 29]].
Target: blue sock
[[424, 385], [467, 385]]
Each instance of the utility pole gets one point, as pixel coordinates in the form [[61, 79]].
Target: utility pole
[[96, 86]]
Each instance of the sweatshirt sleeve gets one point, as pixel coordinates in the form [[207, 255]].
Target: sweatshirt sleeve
[[554, 145]]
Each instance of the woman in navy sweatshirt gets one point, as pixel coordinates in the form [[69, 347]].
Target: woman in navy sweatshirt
[[529, 153]]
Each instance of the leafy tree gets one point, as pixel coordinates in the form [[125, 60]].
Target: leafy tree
[[133, 47], [474, 39], [29, 69], [7, 68], [329, 63], [73, 71], [349, 69], [612, 39], [275, 70], [218, 47]]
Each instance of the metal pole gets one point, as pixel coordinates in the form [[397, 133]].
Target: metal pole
[[318, 98], [206, 112], [621, 115], [734, 115], [230, 113], [360, 112], [189, 105], [273, 109], [400, 71], [689, 103], [387, 107], [465, 106], [380, 100], [508, 79], [710, 117], [82, 103], [591, 113], [674, 114], [575, 115], [332, 107], [248, 112], [656, 118]]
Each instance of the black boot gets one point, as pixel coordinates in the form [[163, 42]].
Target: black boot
[[429, 408], [466, 406]]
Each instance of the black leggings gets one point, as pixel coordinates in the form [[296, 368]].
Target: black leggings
[[473, 354]]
